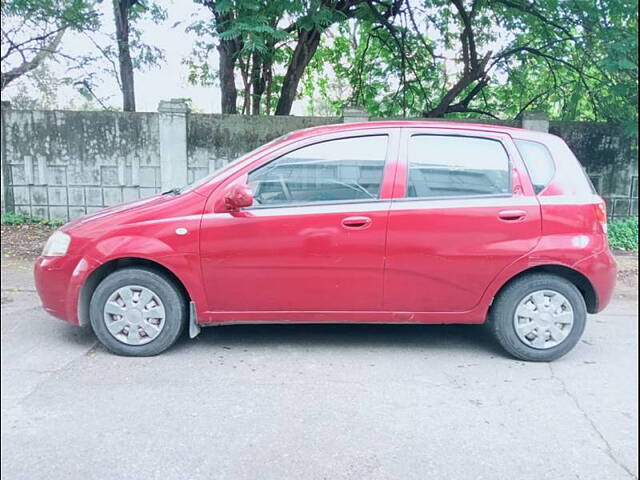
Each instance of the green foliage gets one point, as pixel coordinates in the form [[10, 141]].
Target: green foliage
[[254, 22], [623, 234], [144, 55], [11, 218], [573, 60], [32, 32], [263, 34], [46, 83], [31, 26], [74, 14], [587, 66]]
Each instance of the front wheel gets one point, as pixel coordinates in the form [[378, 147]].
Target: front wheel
[[538, 317], [137, 312]]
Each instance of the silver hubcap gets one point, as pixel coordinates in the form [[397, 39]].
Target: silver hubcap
[[543, 319], [134, 315]]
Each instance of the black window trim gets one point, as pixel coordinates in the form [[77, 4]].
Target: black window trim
[[313, 204], [383, 133], [457, 197], [406, 198]]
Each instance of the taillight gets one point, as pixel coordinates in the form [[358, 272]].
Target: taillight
[[601, 214]]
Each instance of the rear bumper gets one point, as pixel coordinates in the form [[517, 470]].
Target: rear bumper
[[601, 269]]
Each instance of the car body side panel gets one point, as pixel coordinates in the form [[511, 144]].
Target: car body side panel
[[184, 265], [296, 258], [441, 255], [149, 232], [148, 229]]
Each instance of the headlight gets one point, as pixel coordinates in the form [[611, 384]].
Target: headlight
[[57, 245]]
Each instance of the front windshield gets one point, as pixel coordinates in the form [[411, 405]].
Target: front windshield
[[222, 171]]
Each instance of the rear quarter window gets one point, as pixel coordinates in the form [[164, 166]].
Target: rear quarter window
[[539, 163]]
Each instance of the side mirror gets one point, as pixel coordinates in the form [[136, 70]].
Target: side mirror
[[238, 196]]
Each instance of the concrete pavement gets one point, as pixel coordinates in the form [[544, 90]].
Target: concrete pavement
[[314, 402]]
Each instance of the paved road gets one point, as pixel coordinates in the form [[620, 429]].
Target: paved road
[[314, 402]]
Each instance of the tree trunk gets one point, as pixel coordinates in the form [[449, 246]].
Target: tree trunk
[[308, 41], [257, 84], [268, 76], [246, 93], [121, 14], [228, 52], [228, 91]]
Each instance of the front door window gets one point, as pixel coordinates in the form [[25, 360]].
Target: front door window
[[348, 169]]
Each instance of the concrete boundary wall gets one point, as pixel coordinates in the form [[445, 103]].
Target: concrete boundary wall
[[63, 164]]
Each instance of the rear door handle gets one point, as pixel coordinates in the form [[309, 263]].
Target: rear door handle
[[354, 223], [512, 215]]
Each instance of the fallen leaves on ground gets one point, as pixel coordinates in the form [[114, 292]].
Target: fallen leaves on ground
[[24, 241], [627, 268]]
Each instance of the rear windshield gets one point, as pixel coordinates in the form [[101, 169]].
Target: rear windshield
[[538, 161]]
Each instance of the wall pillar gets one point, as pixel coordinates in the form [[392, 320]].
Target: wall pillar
[[6, 107], [173, 143], [535, 121], [354, 114]]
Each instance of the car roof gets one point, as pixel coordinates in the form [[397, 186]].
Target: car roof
[[426, 124]]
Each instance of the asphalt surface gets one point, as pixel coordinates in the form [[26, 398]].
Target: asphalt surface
[[314, 402]]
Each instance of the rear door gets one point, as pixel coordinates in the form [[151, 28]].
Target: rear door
[[460, 215]]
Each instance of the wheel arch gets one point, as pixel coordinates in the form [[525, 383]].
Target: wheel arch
[[579, 280], [104, 270]]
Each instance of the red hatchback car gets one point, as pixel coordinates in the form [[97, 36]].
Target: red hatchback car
[[383, 222]]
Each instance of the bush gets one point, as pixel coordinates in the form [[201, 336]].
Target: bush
[[623, 234], [23, 219]]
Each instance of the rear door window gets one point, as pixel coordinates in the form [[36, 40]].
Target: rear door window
[[455, 166]]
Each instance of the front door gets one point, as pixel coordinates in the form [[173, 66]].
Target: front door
[[313, 241], [461, 218]]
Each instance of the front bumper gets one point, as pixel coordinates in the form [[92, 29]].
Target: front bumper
[[56, 287]]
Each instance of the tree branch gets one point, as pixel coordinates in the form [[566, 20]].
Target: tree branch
[[464, 81], [535, 13], [25, 67]]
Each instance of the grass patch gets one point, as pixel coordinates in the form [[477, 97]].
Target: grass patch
[[623, 234], [23, 219]]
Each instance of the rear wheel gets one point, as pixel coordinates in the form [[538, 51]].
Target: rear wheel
[[538, 317], [137, 312]]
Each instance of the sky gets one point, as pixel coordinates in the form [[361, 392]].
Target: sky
[[170, 80], [167, 81]]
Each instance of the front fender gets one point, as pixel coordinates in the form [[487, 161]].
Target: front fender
[[184, 264]]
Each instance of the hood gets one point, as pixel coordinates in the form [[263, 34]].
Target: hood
[[122, 207]]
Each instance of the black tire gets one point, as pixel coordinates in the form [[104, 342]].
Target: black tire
[[175, 306], [504, 307]]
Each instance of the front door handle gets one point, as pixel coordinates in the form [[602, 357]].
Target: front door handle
[[354, 223], [512, 215]]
